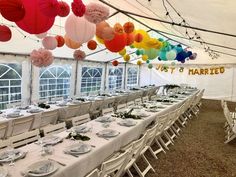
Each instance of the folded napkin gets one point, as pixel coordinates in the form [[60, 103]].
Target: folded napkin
[[78, 137]]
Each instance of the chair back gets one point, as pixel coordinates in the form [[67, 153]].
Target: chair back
[[49, 117], [97, 105], [84, 108], [138, 146], [151, 134], [72, 111], [80, 119], [53, 129], [121, 107], [24, 138], [131, 103], [21, 125], [3, 129], [94, 173], [4, 143], [107, 111]]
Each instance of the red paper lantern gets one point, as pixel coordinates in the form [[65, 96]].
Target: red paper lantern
[[116, 44], [5, 33], [128, 27], [99, 28], [138, 37], [92, 45], [78, 8], [63, 9], [129, 38], [34, 21], [60, 41], [48, 7], [118, 28], [115, 63], [12, 10]]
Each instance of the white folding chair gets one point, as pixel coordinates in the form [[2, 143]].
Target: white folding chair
[[94, 173], [84, 108], [24, 138], [80, 120], [107, 111], [121, 107], [72, 111], [53, 129], [96, 108], [115, 166], [3, 129], [21, 125], [4, 143], [49, 117]]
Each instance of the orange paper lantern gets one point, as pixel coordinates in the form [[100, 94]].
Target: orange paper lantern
[[108, 33], [118, 28], [71, 44], [99, 28], [128, 27], [129, 38], [92, 45], [60, 41], [138, 37], [116, 44], [115, 63]]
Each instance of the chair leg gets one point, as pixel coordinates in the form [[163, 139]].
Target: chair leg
[[163, 143]]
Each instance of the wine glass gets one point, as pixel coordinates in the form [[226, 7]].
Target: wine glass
[[11, 155]]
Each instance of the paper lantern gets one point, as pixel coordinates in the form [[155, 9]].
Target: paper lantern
[[49, 43], [162, 55], [171, 55], [92, 45], [145, 38], [60, 41], [115, 63], [71, 44], [178, 48], [78, 29], [96, 13], [118, 28], [148, 61], [153, 43], [137, 52], [181, 56], [138, 37], [126, 57], [151, 53], [101, 41], [63, 9], [34, 21], [193, 56], [116, 44], [128, 27], [41, 57], [129, 38], [48, 7], [144, 57], [5, 33], [122, 52], [108, 33], [150, 66], [41, 35], [139, 62], [12, 10], [78, 8], [99, 28], [79, 55]]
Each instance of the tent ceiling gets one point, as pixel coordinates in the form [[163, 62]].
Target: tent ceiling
[[215, 15]]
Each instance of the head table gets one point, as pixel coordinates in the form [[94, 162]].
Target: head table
[[102, 148]]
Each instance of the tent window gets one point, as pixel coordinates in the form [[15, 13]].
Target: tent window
[[10, 84], [54, 81], [115, 78], [132, 80], [91, 80]]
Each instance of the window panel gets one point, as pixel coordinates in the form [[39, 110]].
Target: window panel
[[55, 81], [115, 78], [10, 84], [91, 80], [132, 77]]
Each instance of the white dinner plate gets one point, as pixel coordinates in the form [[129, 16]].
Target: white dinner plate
[[5, 155], [14, 115], [42, 168], [81, 129], [36, 110], [166, 103], [3, 172], [127, 122], [79, 148], [50, 140], [107, 133], [105, 119]]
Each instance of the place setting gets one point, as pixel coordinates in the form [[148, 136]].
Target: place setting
[[107, 133], [11, 155], [78, 149], [127, 122]]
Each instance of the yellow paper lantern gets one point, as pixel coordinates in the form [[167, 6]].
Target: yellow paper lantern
[[122, 52], [126, 58], [153, 43], [139, 62], [101, 41], [144, 57], [145, 39]]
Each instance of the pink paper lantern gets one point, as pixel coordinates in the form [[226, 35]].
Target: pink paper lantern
[[78, 8], [78, 29], [34, 21], [5, 33], [41, 35], [63, 9], [48, 7], [79, 55], [95, 12], [41, 57], [49, 43]]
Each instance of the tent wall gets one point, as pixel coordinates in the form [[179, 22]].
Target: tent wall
[[220, 86]]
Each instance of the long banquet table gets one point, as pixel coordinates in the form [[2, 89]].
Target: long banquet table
[[80, 166]]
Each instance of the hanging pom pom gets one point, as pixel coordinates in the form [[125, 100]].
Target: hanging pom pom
[[63, 9], [5, 33], [79, 55], [96, 13], [115, 63], [78, 8], [41, 57]]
